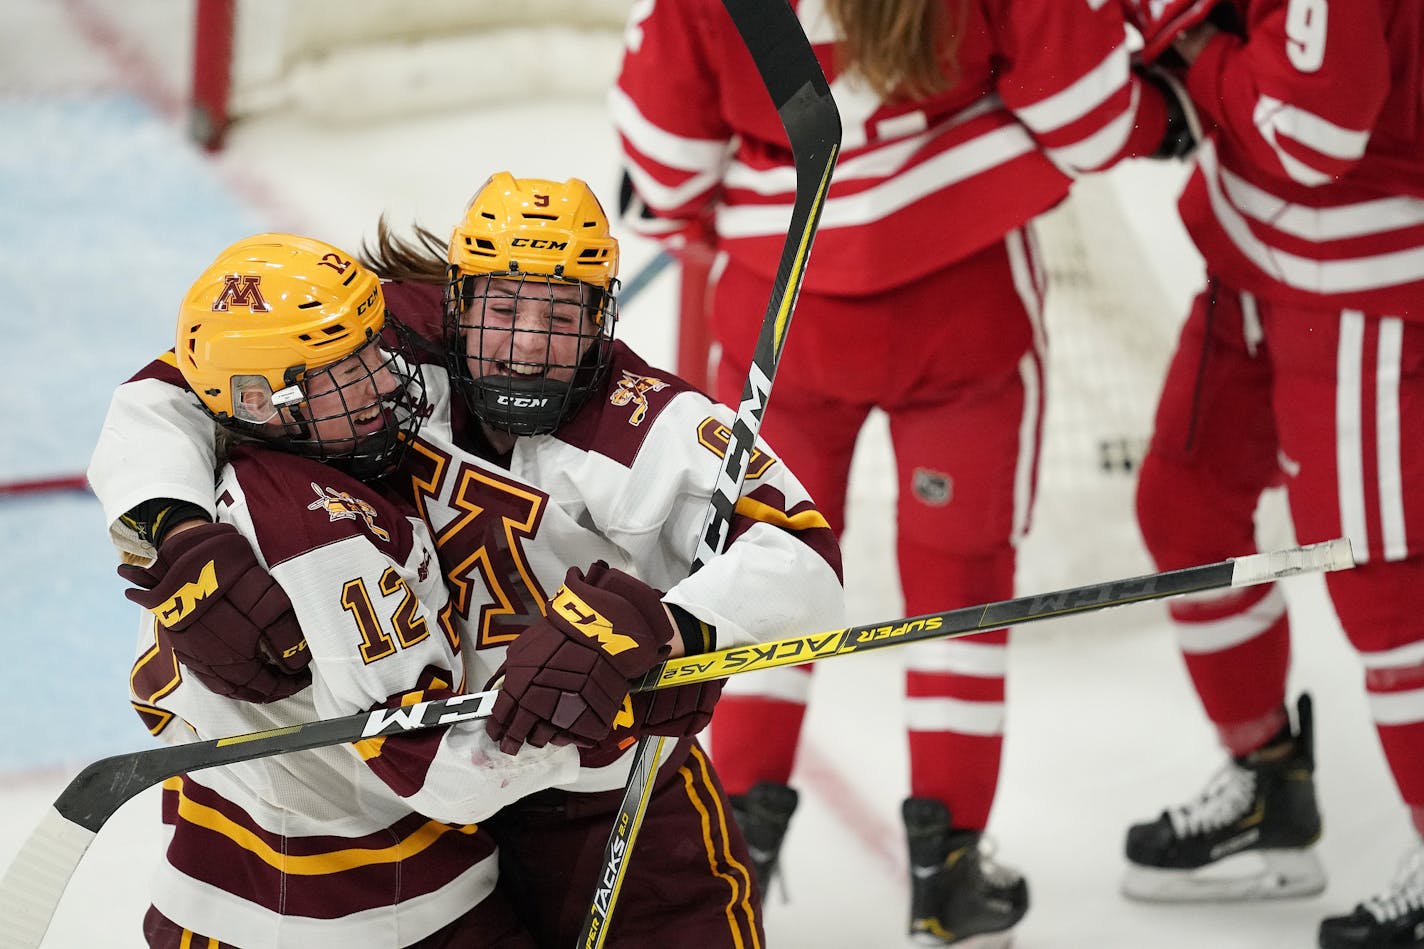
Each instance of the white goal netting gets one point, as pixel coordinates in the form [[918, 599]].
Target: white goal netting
[[1121, 276], [1121, 273]]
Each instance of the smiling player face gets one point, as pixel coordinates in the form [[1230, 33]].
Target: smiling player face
[[527, 329]]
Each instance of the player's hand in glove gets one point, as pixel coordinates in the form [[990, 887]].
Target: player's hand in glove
[[232, 626], [1161, 22], [567, 675], [621, 737], [679, 712]]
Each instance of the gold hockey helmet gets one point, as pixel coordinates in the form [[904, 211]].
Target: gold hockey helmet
[[536, 227], [271, 313]]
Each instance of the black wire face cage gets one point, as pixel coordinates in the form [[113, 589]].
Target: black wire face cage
[[363, 430], [529, 381]]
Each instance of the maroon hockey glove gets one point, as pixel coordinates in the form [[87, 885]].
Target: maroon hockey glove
[[231, 625], [621, 737], [1161, 22], [566, 676], [679, 712]]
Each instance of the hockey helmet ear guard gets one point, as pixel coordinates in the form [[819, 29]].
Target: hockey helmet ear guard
[[520, 241], [262, 327]]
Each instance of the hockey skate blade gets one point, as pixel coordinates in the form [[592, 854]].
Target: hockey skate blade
[[1255, 875]]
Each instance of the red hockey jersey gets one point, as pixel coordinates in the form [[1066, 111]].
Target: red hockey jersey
[[1310, 185], [1043, 91]]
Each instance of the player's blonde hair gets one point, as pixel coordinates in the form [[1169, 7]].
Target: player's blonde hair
[[905, 49]]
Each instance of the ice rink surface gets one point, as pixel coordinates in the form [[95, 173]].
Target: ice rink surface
[[106, 215]]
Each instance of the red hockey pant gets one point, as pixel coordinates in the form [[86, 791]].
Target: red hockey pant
[[954, 361], [1332, 403]]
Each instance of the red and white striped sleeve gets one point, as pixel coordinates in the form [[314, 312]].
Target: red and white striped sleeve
[[1077, 95], [1300, 97], [675, 140]]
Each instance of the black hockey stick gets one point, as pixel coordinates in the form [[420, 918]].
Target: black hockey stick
[[40, 871], [798, 88]]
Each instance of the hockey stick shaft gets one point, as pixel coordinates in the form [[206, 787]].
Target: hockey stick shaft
[[971, 620], [40, 871], [799, 90]]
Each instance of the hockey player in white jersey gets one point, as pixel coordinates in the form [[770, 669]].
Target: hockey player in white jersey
[[366, 845], [559, 469]]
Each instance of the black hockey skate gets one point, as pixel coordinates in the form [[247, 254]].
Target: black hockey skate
[[763, 814], [1248, 836], [958, 895], [1392, 920]]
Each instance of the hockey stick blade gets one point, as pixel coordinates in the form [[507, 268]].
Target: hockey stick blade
[[39, 873], [32, 886]]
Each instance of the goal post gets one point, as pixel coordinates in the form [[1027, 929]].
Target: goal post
[[325, 58]]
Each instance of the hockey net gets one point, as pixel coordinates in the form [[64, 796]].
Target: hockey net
[[1121, 275], [326, 57]]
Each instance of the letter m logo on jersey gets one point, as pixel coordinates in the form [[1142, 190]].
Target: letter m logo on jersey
[[590, 622], [241, 290]]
